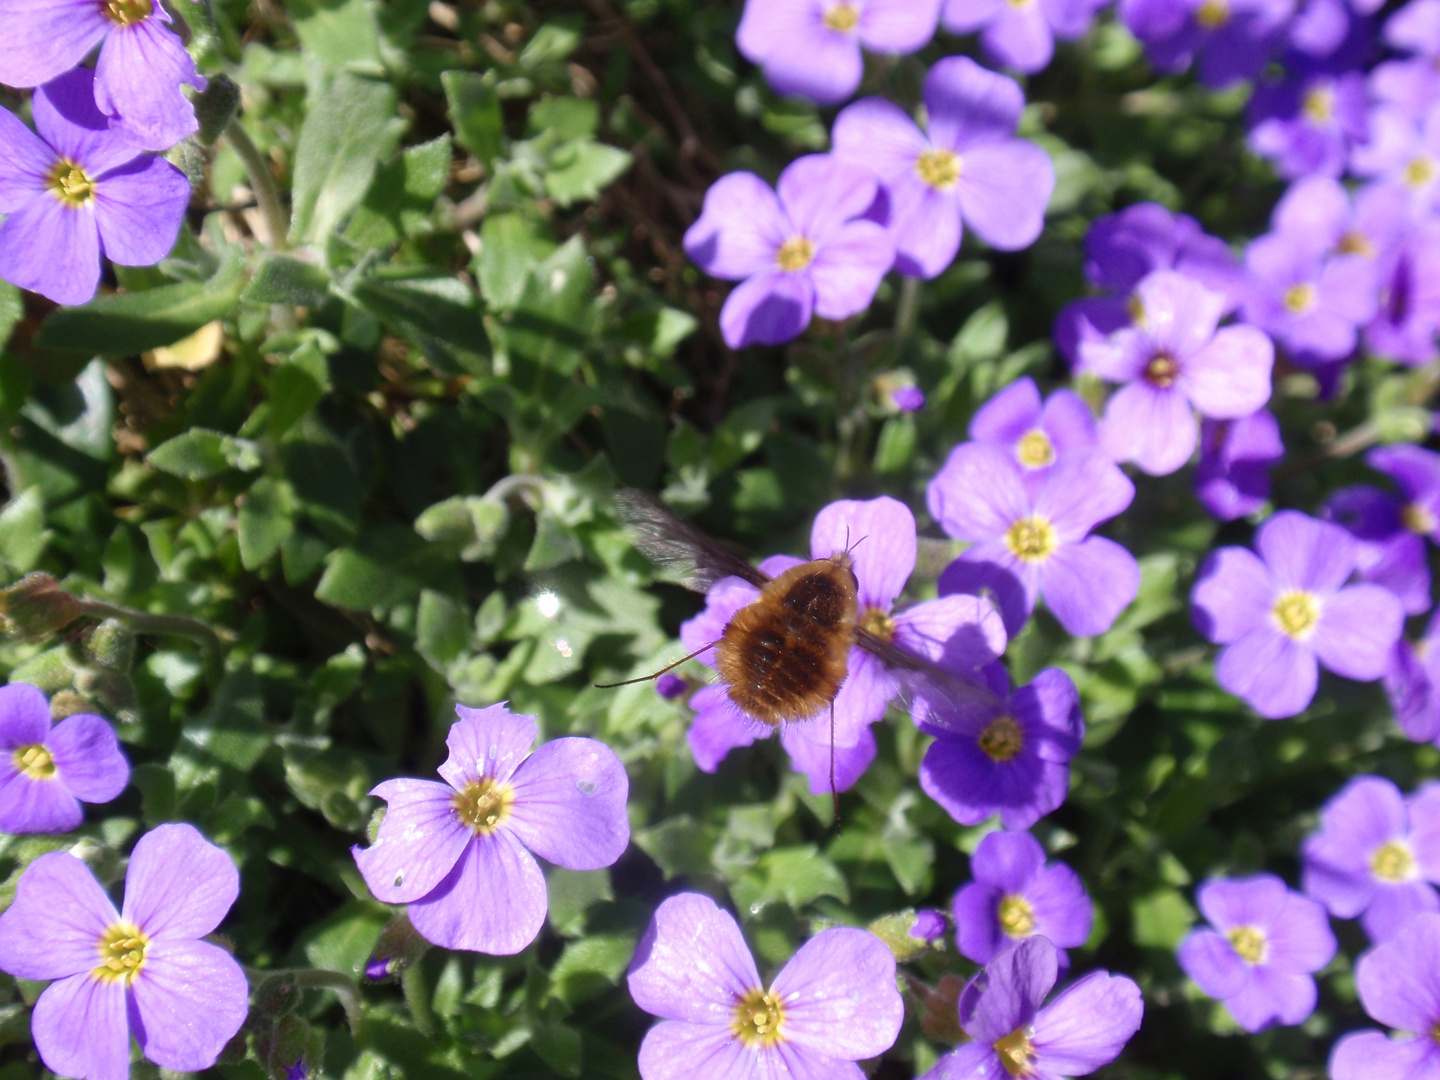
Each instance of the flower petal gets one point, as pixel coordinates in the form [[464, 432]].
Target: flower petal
[[848, 267], [1087, 585], [1363, 1055], [839, 995], [1063, 911], [24, 716], [51, 249], [769, 309], [1087, 1025], [190, 1000], [1007, 993], [1300, 940], [1273, 997], [692, 964], [178, 884], [965, 104], [821, 192], [486, 743], [1004, 190], [977, 928], [1230, 377], [570, 804], [67, 118], [1082, 490], [1399, 981], [419, 842], [81, 1003], [676, 1050], [498, 869], [25, 163], [1258, 900], [1274, 673], [882, 532], [1394, 905], [1151, 426], [961, 633], [978, 493], [811, 752], [898, 26], [88, 759], [28, 805], [1303, 553], [138, 76], [139, 208], [1007, 416], [719, 727], [740, 228], [1359, 626], [46, 38], [1212, 964], [1233, 594], [53, 927], [1007, 861], [878, 135], [1020, 38]]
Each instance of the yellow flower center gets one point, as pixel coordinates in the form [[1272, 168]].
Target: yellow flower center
[[1162, 371], [1017, 1053], [1392, 861], [1420, 171], [1017, 917], [70, 183], [1319, 105], [1418, 519], [122, 953], [939, 168], [759, 1019], [125, 12], [1299, 298], [1002, 739], [484, 805], [1355, 242], [878, 623], [1248, 943], [35, 762], [795, 254], [1035, 450], [843, 17], [1213, 14], [1296, 613], [1031, 539]]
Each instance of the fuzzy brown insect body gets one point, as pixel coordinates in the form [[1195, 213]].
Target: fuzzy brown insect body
[[784, 656]]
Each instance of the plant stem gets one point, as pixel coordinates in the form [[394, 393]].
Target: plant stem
[[412, 982], [262, 183], [144, 622], [318, 979], [905, 312]]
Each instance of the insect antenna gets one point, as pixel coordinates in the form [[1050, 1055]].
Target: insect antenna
[[834, 792], [667, 667]]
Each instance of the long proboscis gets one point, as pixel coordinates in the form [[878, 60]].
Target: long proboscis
[[657, 674]]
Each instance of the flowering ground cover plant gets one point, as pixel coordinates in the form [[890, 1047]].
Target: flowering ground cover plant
[[1072, 366]]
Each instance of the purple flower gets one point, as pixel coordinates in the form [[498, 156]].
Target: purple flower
[[1020, 35], [1399, 985], [141, 972], [1173, 360], [1306, 122], [1026, 547], [1233, 478], [1258, 953], [1411, 86], [929, 925], [797, 254], [442, 846], [1085, 1027], [1405, 327], [811, 48], [1308, 301], [45, 772], [77, 191], [968, 167], [1015, 895], [962, 632], [1282, 613], [833, 1004], [671, 686], [138, 74], [1404, 150], [378, 968], [1015, 420], [1322, 212], [1375, 855], [1415, 28], [907, 399], [1412, 683], [1012, 760], [1233, 38]]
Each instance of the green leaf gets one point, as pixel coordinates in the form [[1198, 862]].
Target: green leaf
[[437, 314], [796, 875], [282, 279], [581, 169], [475, 113], [511, 245], [401, 201], [679, 845], [560, 1046], [1161, 919], [200, 453], [266, 518], [233, 730], [387, 566], [23, 535], [339, 36], [552, 323], [554, 41], [346, 132], [572, 893], [442, 629], [296, 386], [473, 523], [564, 118], [12, 309], [590, 966]]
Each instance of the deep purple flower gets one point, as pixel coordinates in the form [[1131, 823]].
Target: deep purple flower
[[1020, 35], [1259, 951], [1233, 38], [833, 1004], [811, 48], [1015, 895], [77, 191], [1306, 122], [907, 399], [1015, 420], [1283, 612], [442, 847], [968, 166], [1012, 760], [962, 632], [1310, 302], [1085, 1027], [1233, 478], [1026, 547], [1408, 321], [671, 686], [929, 925], [139, 972], [1399, 985], [297, 1071], [1376, 855], [45, 772], [797, 254], [1174, 360], [378, 968], [139, 71], [1412, 683]]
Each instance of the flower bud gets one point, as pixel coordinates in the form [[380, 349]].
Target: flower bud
[[36, 607], [397, 948]]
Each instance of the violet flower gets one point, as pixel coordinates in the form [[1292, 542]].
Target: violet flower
[[1084, 1027], [1232, 38], [1174, 360], [1412, 683], [1306, 122], [1028, 546], [966, 168], [1404, 150], [1375, 855], [811, 48], [1015, 896], [139, 71], [1399, 985], [1233, 477], [1310, 302], [1013, 760], [142, 972], [1036, 434], [907, 399], [1259, 951], [1415, 28], [800, 253], [77, 191], [1283, 612], [442, 846], [929, 925], [1322, 212], [833, 1004], [1020, 35], [45, 772], [1408, 321]]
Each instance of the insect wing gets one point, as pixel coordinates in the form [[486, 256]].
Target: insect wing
[[936, 697], [684, 553]]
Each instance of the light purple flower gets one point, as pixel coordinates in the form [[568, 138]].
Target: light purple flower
[[833, 1004], [1174, 360], [967, 167], [1037, 434], [1415, 28], [1310, 302], [77, 191], [1399, 985], [1376, 855], [1233, 478], [960, 632], [1323, 213], [1412, 683], [460, 853], [1232, 38], [1012, 760], [1015, 896], [1085, 1027], [929, 925], [1403, 149], [1410, 86], [139, 71], [1020, 35], [811, 48], [1283, 612], [45, 772], [1306, 122], [1259, 951], [801, 253], [139, 972], [1405, 326]]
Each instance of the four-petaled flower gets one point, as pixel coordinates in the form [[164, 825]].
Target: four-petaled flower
[[1037, 434], [833, 1004], [459, 853], [1233, 477]]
